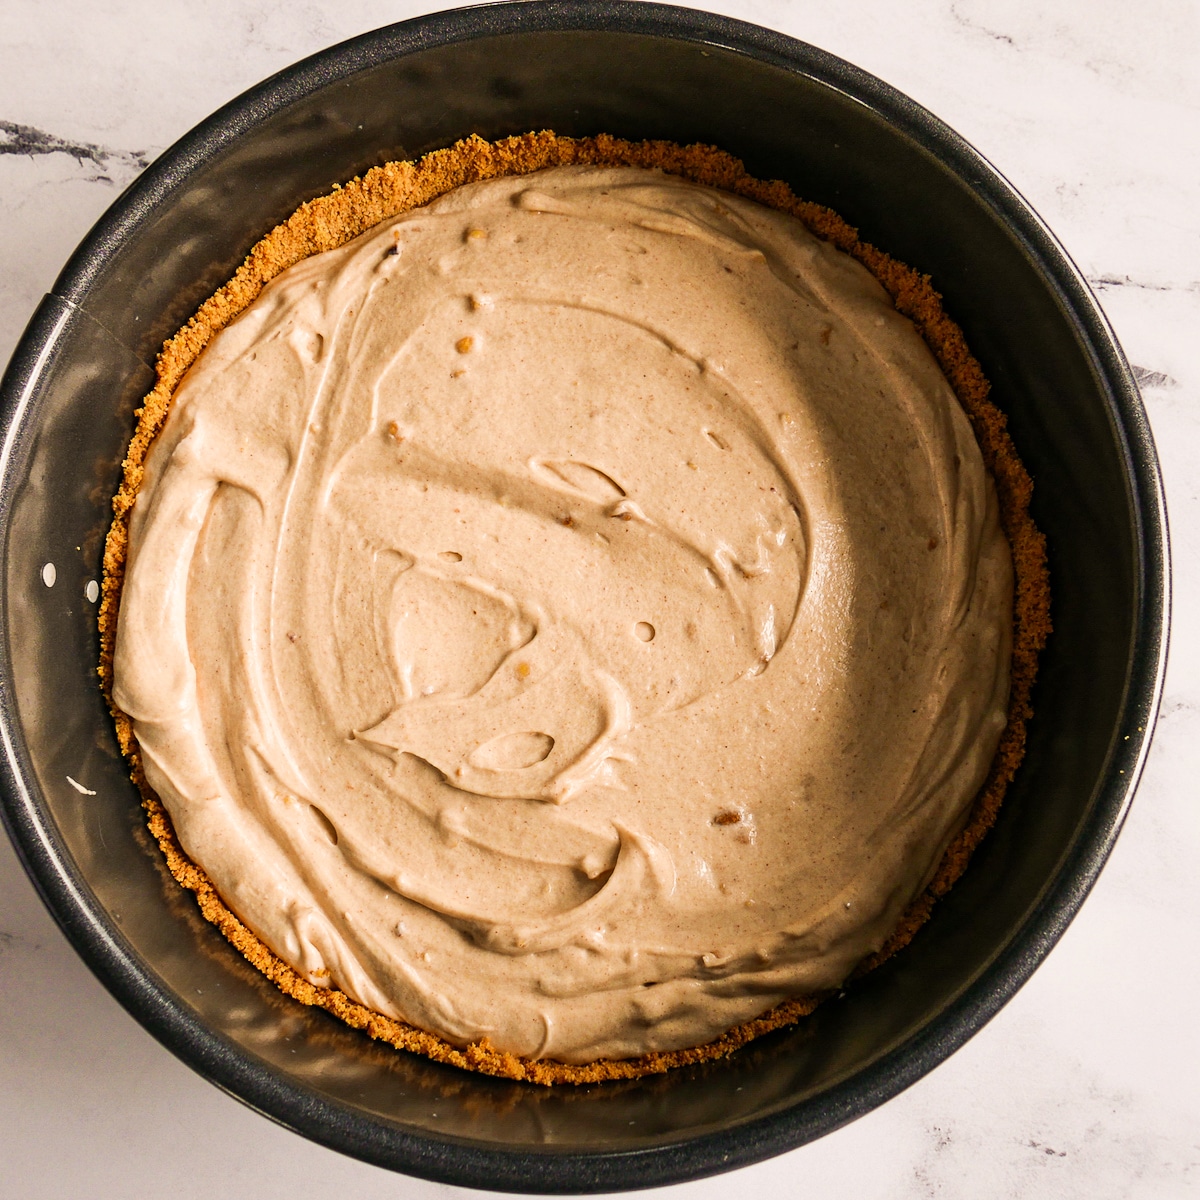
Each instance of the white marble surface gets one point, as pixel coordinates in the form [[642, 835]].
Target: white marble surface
[[1088, 1083]]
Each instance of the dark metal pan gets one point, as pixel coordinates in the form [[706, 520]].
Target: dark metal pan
[[838, 136]]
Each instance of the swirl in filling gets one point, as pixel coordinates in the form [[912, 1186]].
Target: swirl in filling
[[573, 614]]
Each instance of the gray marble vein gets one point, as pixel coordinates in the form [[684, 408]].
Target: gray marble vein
[[1148, 378], [25, 139]]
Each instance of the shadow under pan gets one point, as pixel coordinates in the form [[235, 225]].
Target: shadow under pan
[[837, 136]]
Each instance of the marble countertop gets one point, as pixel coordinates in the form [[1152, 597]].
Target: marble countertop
[[1088, 1083]]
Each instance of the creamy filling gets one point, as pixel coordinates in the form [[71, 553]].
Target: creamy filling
[[573, 614]]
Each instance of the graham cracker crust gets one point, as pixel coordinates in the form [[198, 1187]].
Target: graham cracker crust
[[385, 192]]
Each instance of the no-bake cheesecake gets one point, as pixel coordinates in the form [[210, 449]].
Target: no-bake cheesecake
[[577, 605]]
